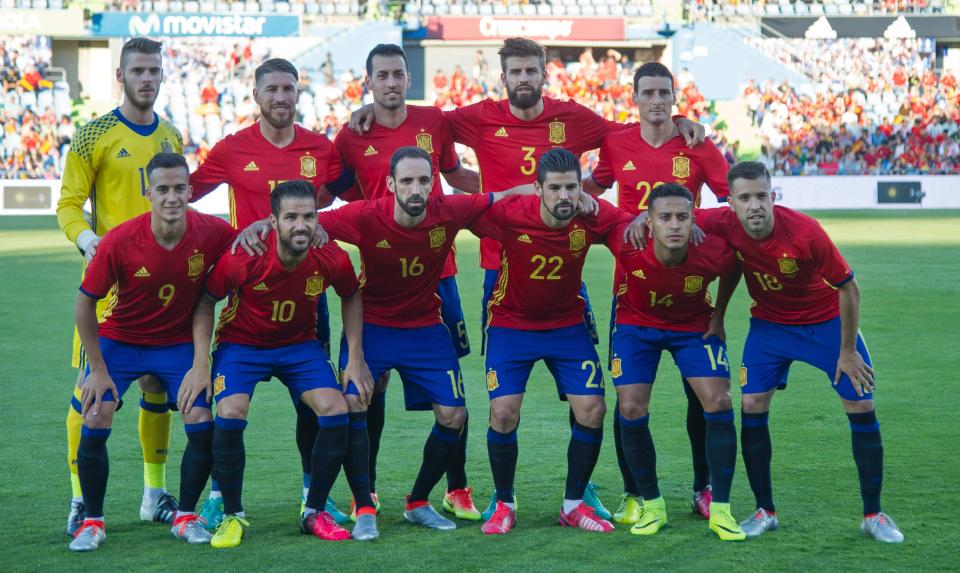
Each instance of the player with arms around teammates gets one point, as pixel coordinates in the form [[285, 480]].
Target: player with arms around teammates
[[663, 305], [536, 314], [106, 165], [638, 159], [253, 162], [397, 124], [268, 328], [155, 265], [807, 309]]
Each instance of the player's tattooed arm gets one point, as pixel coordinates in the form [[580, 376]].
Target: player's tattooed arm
[[693, 133], [463, 179], [197, 379], [726, 287], [851, 362], [356, 371], [251, 238], [361, 120], [98, 382]]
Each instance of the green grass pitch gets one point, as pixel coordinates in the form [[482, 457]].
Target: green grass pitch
[[907, 265]]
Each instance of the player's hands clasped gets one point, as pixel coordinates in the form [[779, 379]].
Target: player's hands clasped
[[358, 373], [96, 384], [251, 238], [859, 372], [195, 383]]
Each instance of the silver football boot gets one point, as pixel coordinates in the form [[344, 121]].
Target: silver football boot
[[881, 528], [191, 531], [88, 538], [428, 517], [759, 523], [365, 528]]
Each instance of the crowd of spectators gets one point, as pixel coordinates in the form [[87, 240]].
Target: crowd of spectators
[[872, 106], [714, 10]]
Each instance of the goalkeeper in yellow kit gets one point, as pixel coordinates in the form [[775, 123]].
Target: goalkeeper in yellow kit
[[107, 166]]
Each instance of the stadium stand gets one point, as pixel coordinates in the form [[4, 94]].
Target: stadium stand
[[712, 10]]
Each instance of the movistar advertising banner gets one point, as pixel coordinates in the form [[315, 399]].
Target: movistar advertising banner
[[127, 24]]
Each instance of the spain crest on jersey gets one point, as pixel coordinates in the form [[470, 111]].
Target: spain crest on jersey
[[166, 147], [314, 286], [425, 142], [681, 167], [692, 284], [788, 265], [578, 239], [219, 384], [558, 132], [195, 265], [308, 166], [492, 382], [438, 236], [616, 368]]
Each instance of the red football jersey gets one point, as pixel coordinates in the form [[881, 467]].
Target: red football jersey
[[793, 274], [637, 167], [368, 155], [156, 288], [401, 267], [271, 306], [541, 272], [252, 167], [670, 298], [508, 148]]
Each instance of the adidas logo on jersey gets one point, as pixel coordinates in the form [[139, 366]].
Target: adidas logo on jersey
[[370, 151], [142, 273], [502, 132], [261, 286], [383, 244], [629, 166], [639, 274], [524, 238], [252, 166], [123, 153]]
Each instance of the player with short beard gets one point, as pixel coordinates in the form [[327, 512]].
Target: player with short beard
[[253, 162], [106, 165]]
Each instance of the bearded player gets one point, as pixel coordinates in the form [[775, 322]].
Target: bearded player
[[106, 165], [156, 265], [639, 159], [807, 309], [253, 162], [397, 124], [267, 329]]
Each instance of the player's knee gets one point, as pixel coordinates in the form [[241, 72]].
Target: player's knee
[[591, 413], [103, 418], [451, 417], [354, 403], [717, 402], [632, 409], [504, 417], [151, 384], [330, 407], [197, 415], [754, 403], [233, 409], [858, 406]]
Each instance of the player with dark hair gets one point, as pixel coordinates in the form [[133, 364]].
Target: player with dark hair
[[268, 329], [154, 265], [639, 159], [664, 305], [807, 309], [536, 314], [106, 165], [397, 124], [509, 136], [253, 162]]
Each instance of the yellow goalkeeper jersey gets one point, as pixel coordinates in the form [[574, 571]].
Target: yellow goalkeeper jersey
[[107, 164]]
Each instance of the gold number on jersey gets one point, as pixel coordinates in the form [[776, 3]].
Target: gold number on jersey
[[768, 281], [645, 187], [541, 262], [530, 162], [456, 380], [166, 293], [665, 300], [592, 367], [413, 268], [720, 359], [283, 310]]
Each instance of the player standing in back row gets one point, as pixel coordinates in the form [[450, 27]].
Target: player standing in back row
[[639, 159], [107, 165], [807, 309], [397, 124]]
